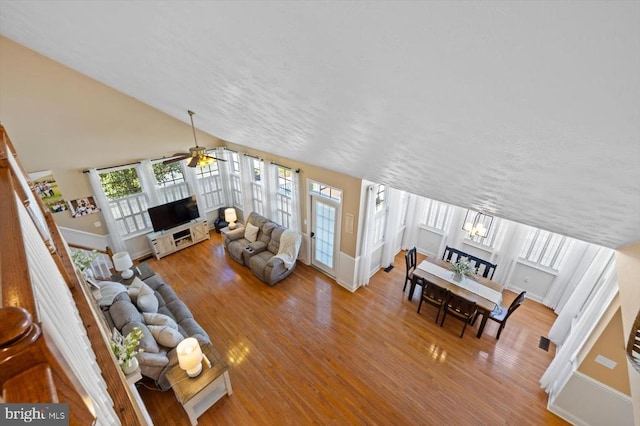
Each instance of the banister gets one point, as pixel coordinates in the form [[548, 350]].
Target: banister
[[31, 367]]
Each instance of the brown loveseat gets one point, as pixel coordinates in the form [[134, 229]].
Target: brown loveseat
[[261, 255]]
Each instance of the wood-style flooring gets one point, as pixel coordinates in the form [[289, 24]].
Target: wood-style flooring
[[307, 351]]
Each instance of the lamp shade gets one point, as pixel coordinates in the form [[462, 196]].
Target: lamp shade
[[477, 224], [122, 262], [230, 215], [190, 356]]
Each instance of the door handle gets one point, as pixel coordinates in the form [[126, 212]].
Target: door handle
[[313, 235]]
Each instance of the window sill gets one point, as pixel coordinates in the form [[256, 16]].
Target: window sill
[[486, 249], [430, 229], [538, 267]]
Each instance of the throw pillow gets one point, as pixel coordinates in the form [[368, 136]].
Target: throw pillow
[[165, 335], [251, 232], [134, 288], [159, 319], [108, 291], [147, 300]]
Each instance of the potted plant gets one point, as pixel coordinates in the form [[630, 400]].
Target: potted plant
[[460, 269], [126, 350]]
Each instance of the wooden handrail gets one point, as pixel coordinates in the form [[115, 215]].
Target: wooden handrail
[[31, 367], [77, 246]]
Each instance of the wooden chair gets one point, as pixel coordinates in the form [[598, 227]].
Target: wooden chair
[[433, 295], [500, 314], [460, 308], [481, 266], [411, 259]]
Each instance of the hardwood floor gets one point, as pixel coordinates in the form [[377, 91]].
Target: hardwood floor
[[307, 351]]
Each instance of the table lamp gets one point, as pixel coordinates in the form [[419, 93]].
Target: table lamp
[[122, 262], [190, 356], [231, 217]]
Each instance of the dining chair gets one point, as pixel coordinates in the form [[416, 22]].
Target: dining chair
[[500, 314], [433, 295], [459, 308], [411, 259]]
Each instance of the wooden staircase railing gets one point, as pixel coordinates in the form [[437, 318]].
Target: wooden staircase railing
[[31, 366]]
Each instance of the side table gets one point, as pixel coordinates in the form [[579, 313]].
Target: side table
[[141, 270], [198, 394], [224, 231]]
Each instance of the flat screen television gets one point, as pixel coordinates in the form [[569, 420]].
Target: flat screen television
[[175, 213]]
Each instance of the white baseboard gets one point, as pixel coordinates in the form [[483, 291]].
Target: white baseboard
[[530, 295]]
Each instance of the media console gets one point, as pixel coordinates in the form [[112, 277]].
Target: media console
[[169, 241]]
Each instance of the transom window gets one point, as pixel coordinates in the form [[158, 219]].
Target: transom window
[[325, 191], [545, 249]]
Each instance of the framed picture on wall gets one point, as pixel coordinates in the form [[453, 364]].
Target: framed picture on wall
[[47, 189], [83, 207]]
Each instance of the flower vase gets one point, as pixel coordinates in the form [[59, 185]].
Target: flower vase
[[458, 277], [130, 366], [88, 274]]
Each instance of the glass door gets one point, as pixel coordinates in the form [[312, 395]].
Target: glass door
[[324, 233]]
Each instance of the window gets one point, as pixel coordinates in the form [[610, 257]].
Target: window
[[127, 202], [544, 249], [210, 185], [380, 216], [284, 180], [380, 198], [170, 181], [256, 166], [283, 196], [234, 179], [325, 191], [436, 215]]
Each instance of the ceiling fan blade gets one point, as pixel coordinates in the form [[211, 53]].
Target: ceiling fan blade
[[175, 159], [193, 162], [215, 158]]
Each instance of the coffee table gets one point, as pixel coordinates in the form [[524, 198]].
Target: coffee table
[[198, 394]]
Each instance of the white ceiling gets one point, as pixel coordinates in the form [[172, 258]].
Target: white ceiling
[[527, 110]]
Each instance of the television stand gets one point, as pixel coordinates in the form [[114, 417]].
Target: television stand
[[163, 243]]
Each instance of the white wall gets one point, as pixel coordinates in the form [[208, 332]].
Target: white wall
[[584, 401]]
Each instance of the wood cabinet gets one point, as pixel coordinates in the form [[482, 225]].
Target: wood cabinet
[[164, 243]]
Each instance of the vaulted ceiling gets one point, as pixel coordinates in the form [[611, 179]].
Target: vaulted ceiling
[[526, 110]]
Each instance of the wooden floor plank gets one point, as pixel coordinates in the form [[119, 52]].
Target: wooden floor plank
[[307, 351]]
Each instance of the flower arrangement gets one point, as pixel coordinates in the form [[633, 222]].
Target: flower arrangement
[[127, 349], [83, 258], [462, 267]]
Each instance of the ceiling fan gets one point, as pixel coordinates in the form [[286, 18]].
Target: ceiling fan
[[198, 154]]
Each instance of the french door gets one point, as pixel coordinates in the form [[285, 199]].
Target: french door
[[324, 234]]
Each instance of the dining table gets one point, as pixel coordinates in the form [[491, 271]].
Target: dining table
[[486, 293]]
